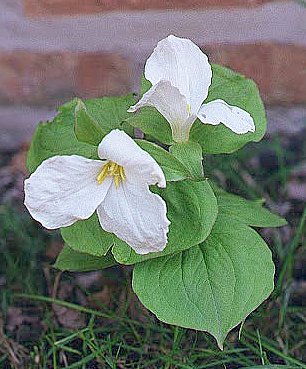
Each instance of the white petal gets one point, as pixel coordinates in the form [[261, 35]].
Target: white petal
[[182, 63], [172, 105], [120, 148], [136, 216], [236, 119], [64, 189]]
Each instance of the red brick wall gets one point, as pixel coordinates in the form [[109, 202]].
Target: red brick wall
[[72, 7], [50, 78], [278, 69]]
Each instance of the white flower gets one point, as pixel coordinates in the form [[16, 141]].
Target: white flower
[[181, 75], [65, 189]]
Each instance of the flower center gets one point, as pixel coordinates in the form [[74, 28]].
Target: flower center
[[112, 169]]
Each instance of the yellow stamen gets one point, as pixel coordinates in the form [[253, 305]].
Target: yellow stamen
[[188, 108], [121, 172], [103, 174], [112, 169], [117, 181]]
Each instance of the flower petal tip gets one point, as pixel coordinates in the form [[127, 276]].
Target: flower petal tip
[[162, 184]]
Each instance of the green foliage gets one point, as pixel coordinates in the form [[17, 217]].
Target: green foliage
[[248, 212], [145, 85], [59, 136], [74, 261], [124, 337], [22, 242], [87, 236], [86, 128], [173, 169], [215, 269], [268, 367], [212, 286], [110, 112], [190, 154], [192, 211], [153, 124]]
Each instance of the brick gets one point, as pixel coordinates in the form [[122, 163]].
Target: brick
[[39, 8], [96, 76], [278, 69], [51, 78]]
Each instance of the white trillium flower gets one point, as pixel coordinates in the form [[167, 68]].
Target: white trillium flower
[[181, 75], [65, 189]]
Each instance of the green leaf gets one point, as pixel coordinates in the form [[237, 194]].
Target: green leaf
[[190, 154], [150, 121], [236, 90], [110, 112], [211, 287], [173, 169], [87, 236], [192, 211], [74, 261], [248, 212], [153, 124], [57, 138], [145, 85], [86, 128]]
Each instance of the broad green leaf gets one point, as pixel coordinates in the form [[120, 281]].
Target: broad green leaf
[[153, 124], [57, 138], [173, 169], [236, 90], [74, 261], [211, 287], [86, 128], [251, 213], [110, 112], [87, 236], [190, 154], [192, 210]]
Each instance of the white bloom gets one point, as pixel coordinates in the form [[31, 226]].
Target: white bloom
[[65, 189], [181, 75]]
